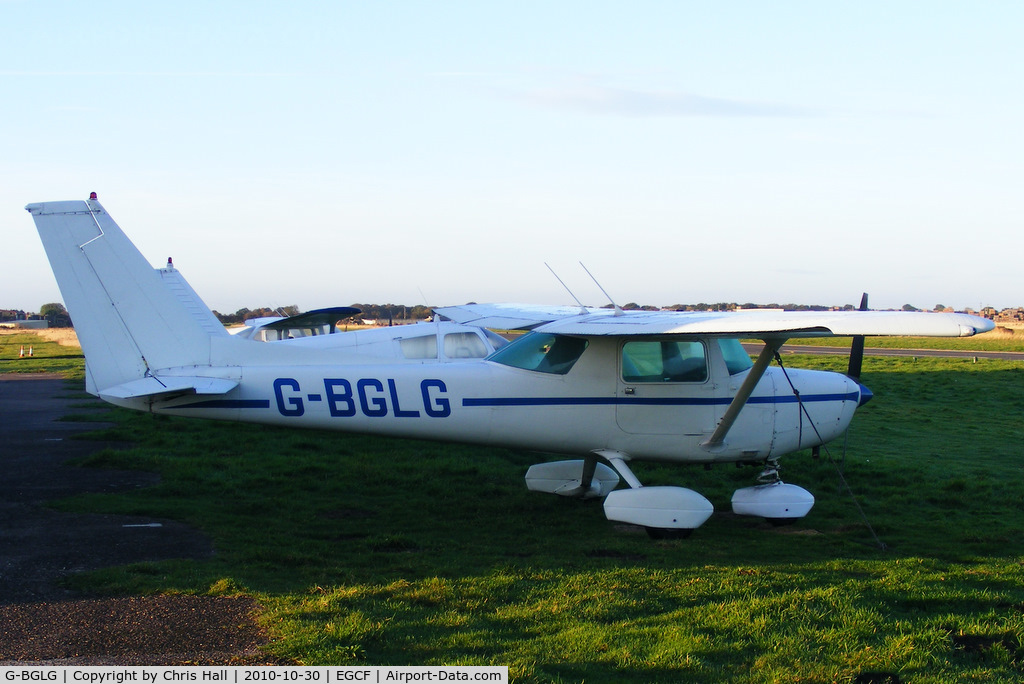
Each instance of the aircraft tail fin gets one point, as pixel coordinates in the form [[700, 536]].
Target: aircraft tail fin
[[179, 287], [130, 322]]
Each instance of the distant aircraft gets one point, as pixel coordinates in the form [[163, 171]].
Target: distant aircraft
[[308, 324], [439, 341], [604, 387]]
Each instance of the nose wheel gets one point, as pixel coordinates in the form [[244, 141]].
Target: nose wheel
[[771, 498]]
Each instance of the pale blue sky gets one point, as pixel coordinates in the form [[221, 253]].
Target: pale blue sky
[[325, 153]]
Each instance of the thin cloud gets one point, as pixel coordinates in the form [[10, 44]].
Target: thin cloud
[[73, 108], [612, 101], [586, 93], [145, 74]]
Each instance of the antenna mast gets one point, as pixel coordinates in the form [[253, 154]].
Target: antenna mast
[[618, 309], [583, 309]]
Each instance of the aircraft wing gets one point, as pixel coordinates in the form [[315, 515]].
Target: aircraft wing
[[328, 316], [512, 316], [752, 323], [262, 321]]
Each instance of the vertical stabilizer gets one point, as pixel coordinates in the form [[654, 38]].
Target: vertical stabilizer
[[189, 298], [128, 321]]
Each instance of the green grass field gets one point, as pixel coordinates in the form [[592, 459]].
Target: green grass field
[[989, 342], [378, 551], [47, 357]]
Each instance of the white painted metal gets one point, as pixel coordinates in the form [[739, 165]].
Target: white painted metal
[[565, 478], [776, 501], [663, 508], [751, 323]]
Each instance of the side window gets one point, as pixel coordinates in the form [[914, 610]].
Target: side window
[[496, 340], [464, 345], [541, 352], [736, 357], [422, 347], [664, 361]]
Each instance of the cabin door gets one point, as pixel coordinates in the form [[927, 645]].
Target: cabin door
[[665, 388]]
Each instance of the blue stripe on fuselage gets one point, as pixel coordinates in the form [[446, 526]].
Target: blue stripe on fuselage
[[225, 404], [642, 401], [560, 401]]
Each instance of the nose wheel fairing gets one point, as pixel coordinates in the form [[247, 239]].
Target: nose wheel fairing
[[779, 503]]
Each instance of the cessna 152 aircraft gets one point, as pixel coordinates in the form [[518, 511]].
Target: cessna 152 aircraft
[[605, 387]]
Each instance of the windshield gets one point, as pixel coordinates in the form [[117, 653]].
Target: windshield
[[736, 357], [541, 352]]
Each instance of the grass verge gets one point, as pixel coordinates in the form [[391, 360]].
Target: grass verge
[[46, 356]]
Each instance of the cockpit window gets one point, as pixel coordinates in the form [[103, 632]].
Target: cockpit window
[[421, 347], [736, 357], [664, 361], [464, 345], [541, 352], [496, 340]]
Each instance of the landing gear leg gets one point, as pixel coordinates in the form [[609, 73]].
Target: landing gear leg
[[587, 477], [770, 474], [582, 479]]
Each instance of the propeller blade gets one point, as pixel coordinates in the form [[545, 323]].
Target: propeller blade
[[857, 347]]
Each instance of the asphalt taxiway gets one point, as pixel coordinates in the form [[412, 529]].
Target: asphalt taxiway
[[42, 621], [40, 545]]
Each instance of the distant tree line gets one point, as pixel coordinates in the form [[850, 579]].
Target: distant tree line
[[58, 316], [54, 313], [384, 313], [377, 312], [245, 314], [732, 306]]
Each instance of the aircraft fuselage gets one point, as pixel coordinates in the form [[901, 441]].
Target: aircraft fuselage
[[594, 406]]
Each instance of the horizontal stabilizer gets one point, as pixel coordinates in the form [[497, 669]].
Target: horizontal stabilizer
[[152, 386]]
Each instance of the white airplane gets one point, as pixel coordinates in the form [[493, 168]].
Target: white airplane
[[604, 387]]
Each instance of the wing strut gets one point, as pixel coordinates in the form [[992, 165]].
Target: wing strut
[[717, 439]]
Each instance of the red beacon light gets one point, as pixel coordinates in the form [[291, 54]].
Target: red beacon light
[[170, 262], [92, 196]]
